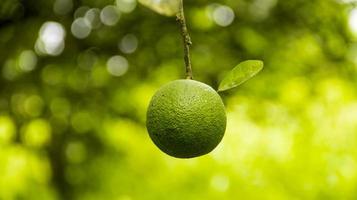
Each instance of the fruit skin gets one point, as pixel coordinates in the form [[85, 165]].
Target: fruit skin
[[186, 118]]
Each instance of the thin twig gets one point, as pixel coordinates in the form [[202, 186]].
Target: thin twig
[[186, 40]]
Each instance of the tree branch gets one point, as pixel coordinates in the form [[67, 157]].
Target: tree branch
[[186, 40]]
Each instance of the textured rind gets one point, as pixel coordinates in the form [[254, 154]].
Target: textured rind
[[186, 118]]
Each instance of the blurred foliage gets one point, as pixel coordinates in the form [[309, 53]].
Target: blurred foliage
[[77, 75]]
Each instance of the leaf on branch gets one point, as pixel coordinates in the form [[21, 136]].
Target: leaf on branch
[[241, 73], [163, 7]]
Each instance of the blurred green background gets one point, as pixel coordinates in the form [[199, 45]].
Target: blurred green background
[[76, 77]]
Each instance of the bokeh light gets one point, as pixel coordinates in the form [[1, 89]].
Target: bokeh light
[[81, 12], [51, 39], [93, 17], [9, 70], [126, 6], [33, 105], [60, 107], [81, 28], [110, 15], [82, 121], [27, 60], [128, 44], [117, 65], [223, 15], [75, 152], [37, 133], [7, 130], [353, 21], [261, 9]]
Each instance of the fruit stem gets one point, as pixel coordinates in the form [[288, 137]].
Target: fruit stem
[[180, 17]]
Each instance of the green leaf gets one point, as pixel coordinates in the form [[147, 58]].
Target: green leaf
[[241, 73], [163, 7]]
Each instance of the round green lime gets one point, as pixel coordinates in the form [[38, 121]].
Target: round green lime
[[186, 119]]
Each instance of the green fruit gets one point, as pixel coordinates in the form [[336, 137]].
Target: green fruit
[[186, 118]]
